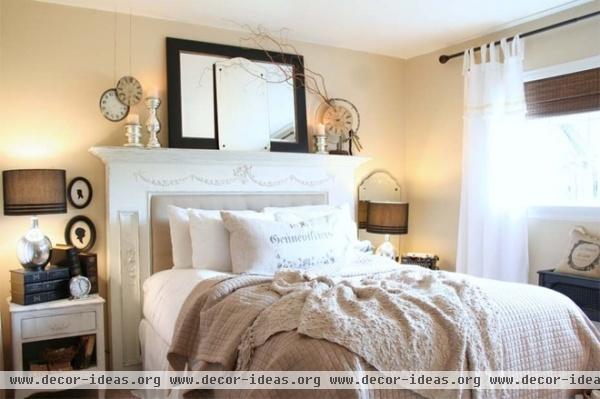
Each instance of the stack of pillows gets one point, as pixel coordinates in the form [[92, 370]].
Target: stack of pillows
[[317, 238]]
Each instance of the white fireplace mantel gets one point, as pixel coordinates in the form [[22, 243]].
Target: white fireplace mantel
[[191, 156], [134, 176]]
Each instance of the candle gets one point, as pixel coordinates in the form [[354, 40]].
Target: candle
[[133, 119], [321, 129], [153, 92]]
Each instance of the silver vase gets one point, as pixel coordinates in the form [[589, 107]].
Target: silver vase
[[34, 248]]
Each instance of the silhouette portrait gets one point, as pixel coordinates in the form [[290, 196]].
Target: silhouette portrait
[[80, 234]]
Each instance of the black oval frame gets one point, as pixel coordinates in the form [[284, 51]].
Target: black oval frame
[[92, 227], [87, 183], [176, 46]]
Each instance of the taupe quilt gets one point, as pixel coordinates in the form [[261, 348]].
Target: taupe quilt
[[409, 319]]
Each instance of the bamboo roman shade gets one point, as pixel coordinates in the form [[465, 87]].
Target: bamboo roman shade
[[564, 94]]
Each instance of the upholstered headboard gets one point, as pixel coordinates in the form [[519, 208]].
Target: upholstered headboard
[[159, 222]]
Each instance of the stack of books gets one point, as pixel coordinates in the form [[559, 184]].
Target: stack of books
[[31, 287], [89, 268]]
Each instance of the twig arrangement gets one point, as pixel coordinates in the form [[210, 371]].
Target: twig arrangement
[[312, 81], [262, 39]]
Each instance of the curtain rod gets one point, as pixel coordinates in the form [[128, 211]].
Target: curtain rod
[[445, 58]]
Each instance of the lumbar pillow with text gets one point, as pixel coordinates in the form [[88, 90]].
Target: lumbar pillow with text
[[210, 238], [263, 246], [296, 214], [584, 255], [181, 243]]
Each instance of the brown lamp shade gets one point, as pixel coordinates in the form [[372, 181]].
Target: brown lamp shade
[[363, 213], [387, 218], [34, 191]]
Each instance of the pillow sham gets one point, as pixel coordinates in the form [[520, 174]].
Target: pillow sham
[[296, 214], [210, 238], [181, 243], [584, 255], [264, 246], [308, 211]]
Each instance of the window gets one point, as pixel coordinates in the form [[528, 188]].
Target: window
[[564, 159], [562, 138]]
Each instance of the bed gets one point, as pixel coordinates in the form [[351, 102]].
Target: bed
[[537, 329], [542, 329]]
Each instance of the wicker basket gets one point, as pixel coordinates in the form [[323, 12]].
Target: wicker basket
[[59, 355]]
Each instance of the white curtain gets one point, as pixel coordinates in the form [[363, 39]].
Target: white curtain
[[492, 237]]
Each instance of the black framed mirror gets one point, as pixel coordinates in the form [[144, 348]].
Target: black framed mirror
[[216, 90]]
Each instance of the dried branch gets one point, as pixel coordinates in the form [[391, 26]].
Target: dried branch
[[262, 39]]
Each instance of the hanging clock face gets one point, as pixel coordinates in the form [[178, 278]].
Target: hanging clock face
[[110, 106], [129, 90], [340, 117]]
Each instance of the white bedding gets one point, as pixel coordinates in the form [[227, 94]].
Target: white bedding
[[164, 294]]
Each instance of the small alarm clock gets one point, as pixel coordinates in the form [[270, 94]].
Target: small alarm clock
[[80, 287]]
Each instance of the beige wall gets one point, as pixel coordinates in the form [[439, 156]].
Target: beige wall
[[433, 97], [56, 61]]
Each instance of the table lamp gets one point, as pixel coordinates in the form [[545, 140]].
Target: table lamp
[[363, 214], [34, 192], [387, 218]]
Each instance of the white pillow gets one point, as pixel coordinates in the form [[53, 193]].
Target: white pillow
[[263, 246], [181, 243], [296, 214], [210, 238], [308, 211]]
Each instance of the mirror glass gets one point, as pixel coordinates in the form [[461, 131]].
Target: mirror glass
[[197, 98], [380, 186], [237, 94]]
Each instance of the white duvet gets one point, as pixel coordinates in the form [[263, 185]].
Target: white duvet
[[164, 294]]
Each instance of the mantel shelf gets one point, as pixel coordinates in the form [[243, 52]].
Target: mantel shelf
[[110, 155]]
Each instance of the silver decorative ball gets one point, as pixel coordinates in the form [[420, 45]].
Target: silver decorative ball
[[33, 250]]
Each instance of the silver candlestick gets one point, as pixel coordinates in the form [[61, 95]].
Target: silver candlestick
[[320, 141], [133, 134], [152, 123]]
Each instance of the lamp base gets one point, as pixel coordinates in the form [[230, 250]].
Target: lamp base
[[34, 248], [386, 249]]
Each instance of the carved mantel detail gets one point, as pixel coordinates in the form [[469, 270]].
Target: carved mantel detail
[[243, 174]]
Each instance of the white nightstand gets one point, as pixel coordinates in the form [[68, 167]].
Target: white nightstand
[[55, 325]]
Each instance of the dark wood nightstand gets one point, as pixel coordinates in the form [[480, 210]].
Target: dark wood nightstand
[[584, 291]]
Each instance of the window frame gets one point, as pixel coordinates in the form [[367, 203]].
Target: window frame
[[566, 212], [562, 69]]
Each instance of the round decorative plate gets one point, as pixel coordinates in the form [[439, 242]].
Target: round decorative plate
[[111, 108], [129, 90], [340, 117]]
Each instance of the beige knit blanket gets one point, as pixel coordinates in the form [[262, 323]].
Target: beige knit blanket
[[411, 319]]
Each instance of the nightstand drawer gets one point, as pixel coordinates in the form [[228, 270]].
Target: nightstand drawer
[[60, 324]]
